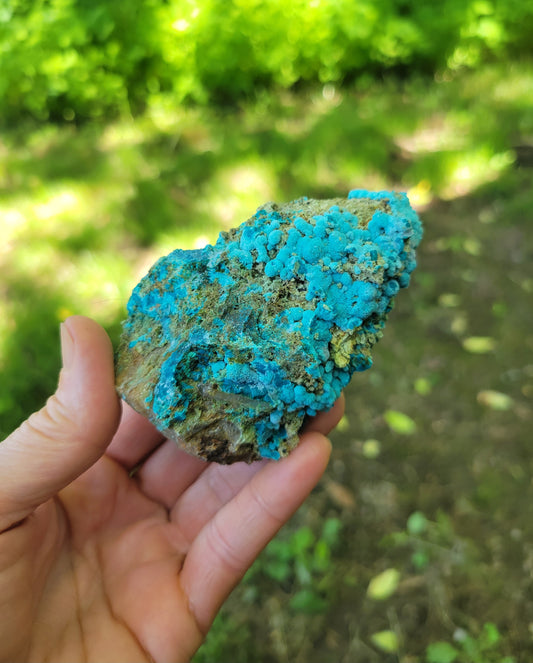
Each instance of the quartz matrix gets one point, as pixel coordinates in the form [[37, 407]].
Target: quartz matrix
[[228, 348]]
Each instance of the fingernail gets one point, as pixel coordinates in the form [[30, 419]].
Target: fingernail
[[67, 345]]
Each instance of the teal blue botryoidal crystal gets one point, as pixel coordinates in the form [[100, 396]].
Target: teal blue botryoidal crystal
[[227, 349]]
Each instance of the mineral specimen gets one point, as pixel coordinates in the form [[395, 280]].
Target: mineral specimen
[[228, 348]]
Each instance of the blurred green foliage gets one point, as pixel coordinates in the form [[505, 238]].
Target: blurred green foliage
[[71, 60], [481, 649], [301, 563], [85, 210], [304, 561]]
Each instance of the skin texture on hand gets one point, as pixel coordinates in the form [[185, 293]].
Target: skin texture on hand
[[115, 545]]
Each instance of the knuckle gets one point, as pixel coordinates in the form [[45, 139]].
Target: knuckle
[[51, 421], [223, 549], [265, 507], [219, 487]]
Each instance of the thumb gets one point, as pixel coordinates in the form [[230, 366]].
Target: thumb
[[58, 443]]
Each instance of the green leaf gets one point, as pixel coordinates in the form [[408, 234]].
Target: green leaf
[[331, 531], [495, 400], [472, 246], [321, 556], [449, 300], [399, 422], [344, 425], [420, 560], [303, 571], [499, 309], [302, 540], [387, 641], [479, 344], [423, 386], [308, 602], [278, 570], [279, 550], [371, 449], [383, 585], [490, 636], [441, 652], [417, 523]]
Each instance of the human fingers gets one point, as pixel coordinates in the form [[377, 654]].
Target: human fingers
[[229, 543], [217, 486], [135, 438], [325, 422], [168, 472], [70, 433]]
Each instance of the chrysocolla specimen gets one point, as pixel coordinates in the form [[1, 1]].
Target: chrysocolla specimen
[[228, 348]]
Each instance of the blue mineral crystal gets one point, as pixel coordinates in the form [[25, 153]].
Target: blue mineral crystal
[[227, 349]]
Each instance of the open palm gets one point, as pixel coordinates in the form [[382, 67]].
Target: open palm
[[127, 556]]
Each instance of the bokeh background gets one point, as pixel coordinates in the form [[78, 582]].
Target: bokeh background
[[128, 129]]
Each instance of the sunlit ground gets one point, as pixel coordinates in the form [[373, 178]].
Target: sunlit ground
[[436, 429]]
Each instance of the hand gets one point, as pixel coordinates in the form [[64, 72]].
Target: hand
[[99, 563]]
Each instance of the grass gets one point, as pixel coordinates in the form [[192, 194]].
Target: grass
[[430, 475]]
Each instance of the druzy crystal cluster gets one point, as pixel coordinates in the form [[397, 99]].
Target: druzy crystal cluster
[[228, 348]]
